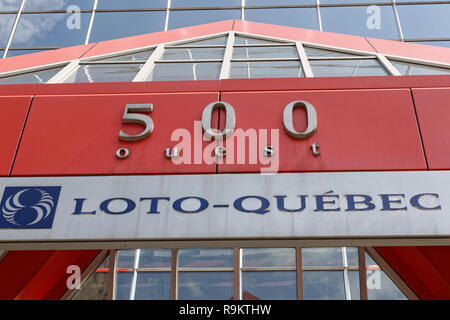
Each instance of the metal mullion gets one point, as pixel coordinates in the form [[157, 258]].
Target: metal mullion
[[228, 54], [319, 16], [205, 269], [299, 272], [362, 273], [147, 68], [397, 20], [344, 58], [164, 269], [166, 21], [304, 60], [14, 28], [307, 268], [388, 65], [187, 46], [257, 45], [91, 22], [65, 72], [134, 277], [242, 10], [269, 269], [237, 274], [174, 274], [348, 295], [112, 274]]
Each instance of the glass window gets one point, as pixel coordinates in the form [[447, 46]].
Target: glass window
[[435, 43], [6, 23], [349, 1], [379, 285], [125, 258], [323, 285], [321, 257], [204, 3], [131, 4], [346, 68], [39, 5], [152, 286], [105, 73], [265, 52], [155, 258], [268, 257], [18, 52], [425, 21], [197, 258], [205, 285], [293, 17], [106, 25], [10, 5], [50, 30], [314, 52], [186, 18], [278, 2], [41, 76], [269, 285], [123, 285], [352, 256], [95, 288], [136, 56], [205, 42], [375, 21], [353, 279], [411, 69], [193, 53], [266, 69], [185, 71], [247, 40]]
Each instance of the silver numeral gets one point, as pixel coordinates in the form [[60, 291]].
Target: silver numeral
[[130, 116], [311, 117], [230, 121]]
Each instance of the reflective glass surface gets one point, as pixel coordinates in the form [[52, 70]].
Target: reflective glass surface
[[6, 24], [185, 71], [10, 5], [131, 4], [346, 68], [125, 258], [278, 2], [40, 5], [425, 21], [273, 285], [435, 43], [293, 17], [268, 257], [18, 52], [352, 256], [411, 69], [353, 278], [196, 258], [315, 52], [31, 77], [248, 40], [137, 56], [155, 258], [123, 285], [185, 18], [106, 73], [193, 53], [323, 285], [204, 3], [94, 288], [106, 24], [51, 30], [152, 286], [204, 42], [265, 52], [205, 285], [321, 257], [375, 21], [266, 69]]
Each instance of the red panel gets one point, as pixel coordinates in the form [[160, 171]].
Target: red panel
[[78, 135], [305, 35], [411, 50], [421, 275], [17, 268], [43, 58], [13, 111], [151, 39], [433, 112], [357, 130]]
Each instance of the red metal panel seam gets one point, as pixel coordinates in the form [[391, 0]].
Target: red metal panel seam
[[90, 48], [418, 127], [368, 41], [21, 135]]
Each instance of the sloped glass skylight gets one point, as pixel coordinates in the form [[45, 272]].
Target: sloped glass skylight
[[413, 69]]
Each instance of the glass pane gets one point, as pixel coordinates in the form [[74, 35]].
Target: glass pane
[[51, 30], [39, 5], [193, 53], [293, 17], [322, 257], [323, 285], [204, 3], [95, 288], [18, 52], [268, 257], [265, 52], [185, 71], [315, 52], [411, 69], [277, 2], [106, 73], [379, 285], [205, 285], [123, 285], [425, 21], [370, 21], [186, 18], [269, 285], [31, 77], [246, 40], [353, 278], [152, 286], [7, 21], [197, 258], [205, 42], [349, 1], [137, 56], [352, 256], [125, 258], [266, 69], [435, 43], [155, 258], [106, 26], [10, 5], [131, 4], [346, 68]]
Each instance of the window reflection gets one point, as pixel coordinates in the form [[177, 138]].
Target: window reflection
[[205, 258], [41, 76], [186, 18], [205, 285], [152, 286], [273, 285], [323, 285], [293, 17], [346, 68], [266, 69]]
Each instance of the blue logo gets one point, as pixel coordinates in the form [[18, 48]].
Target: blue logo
[[28, 207]]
